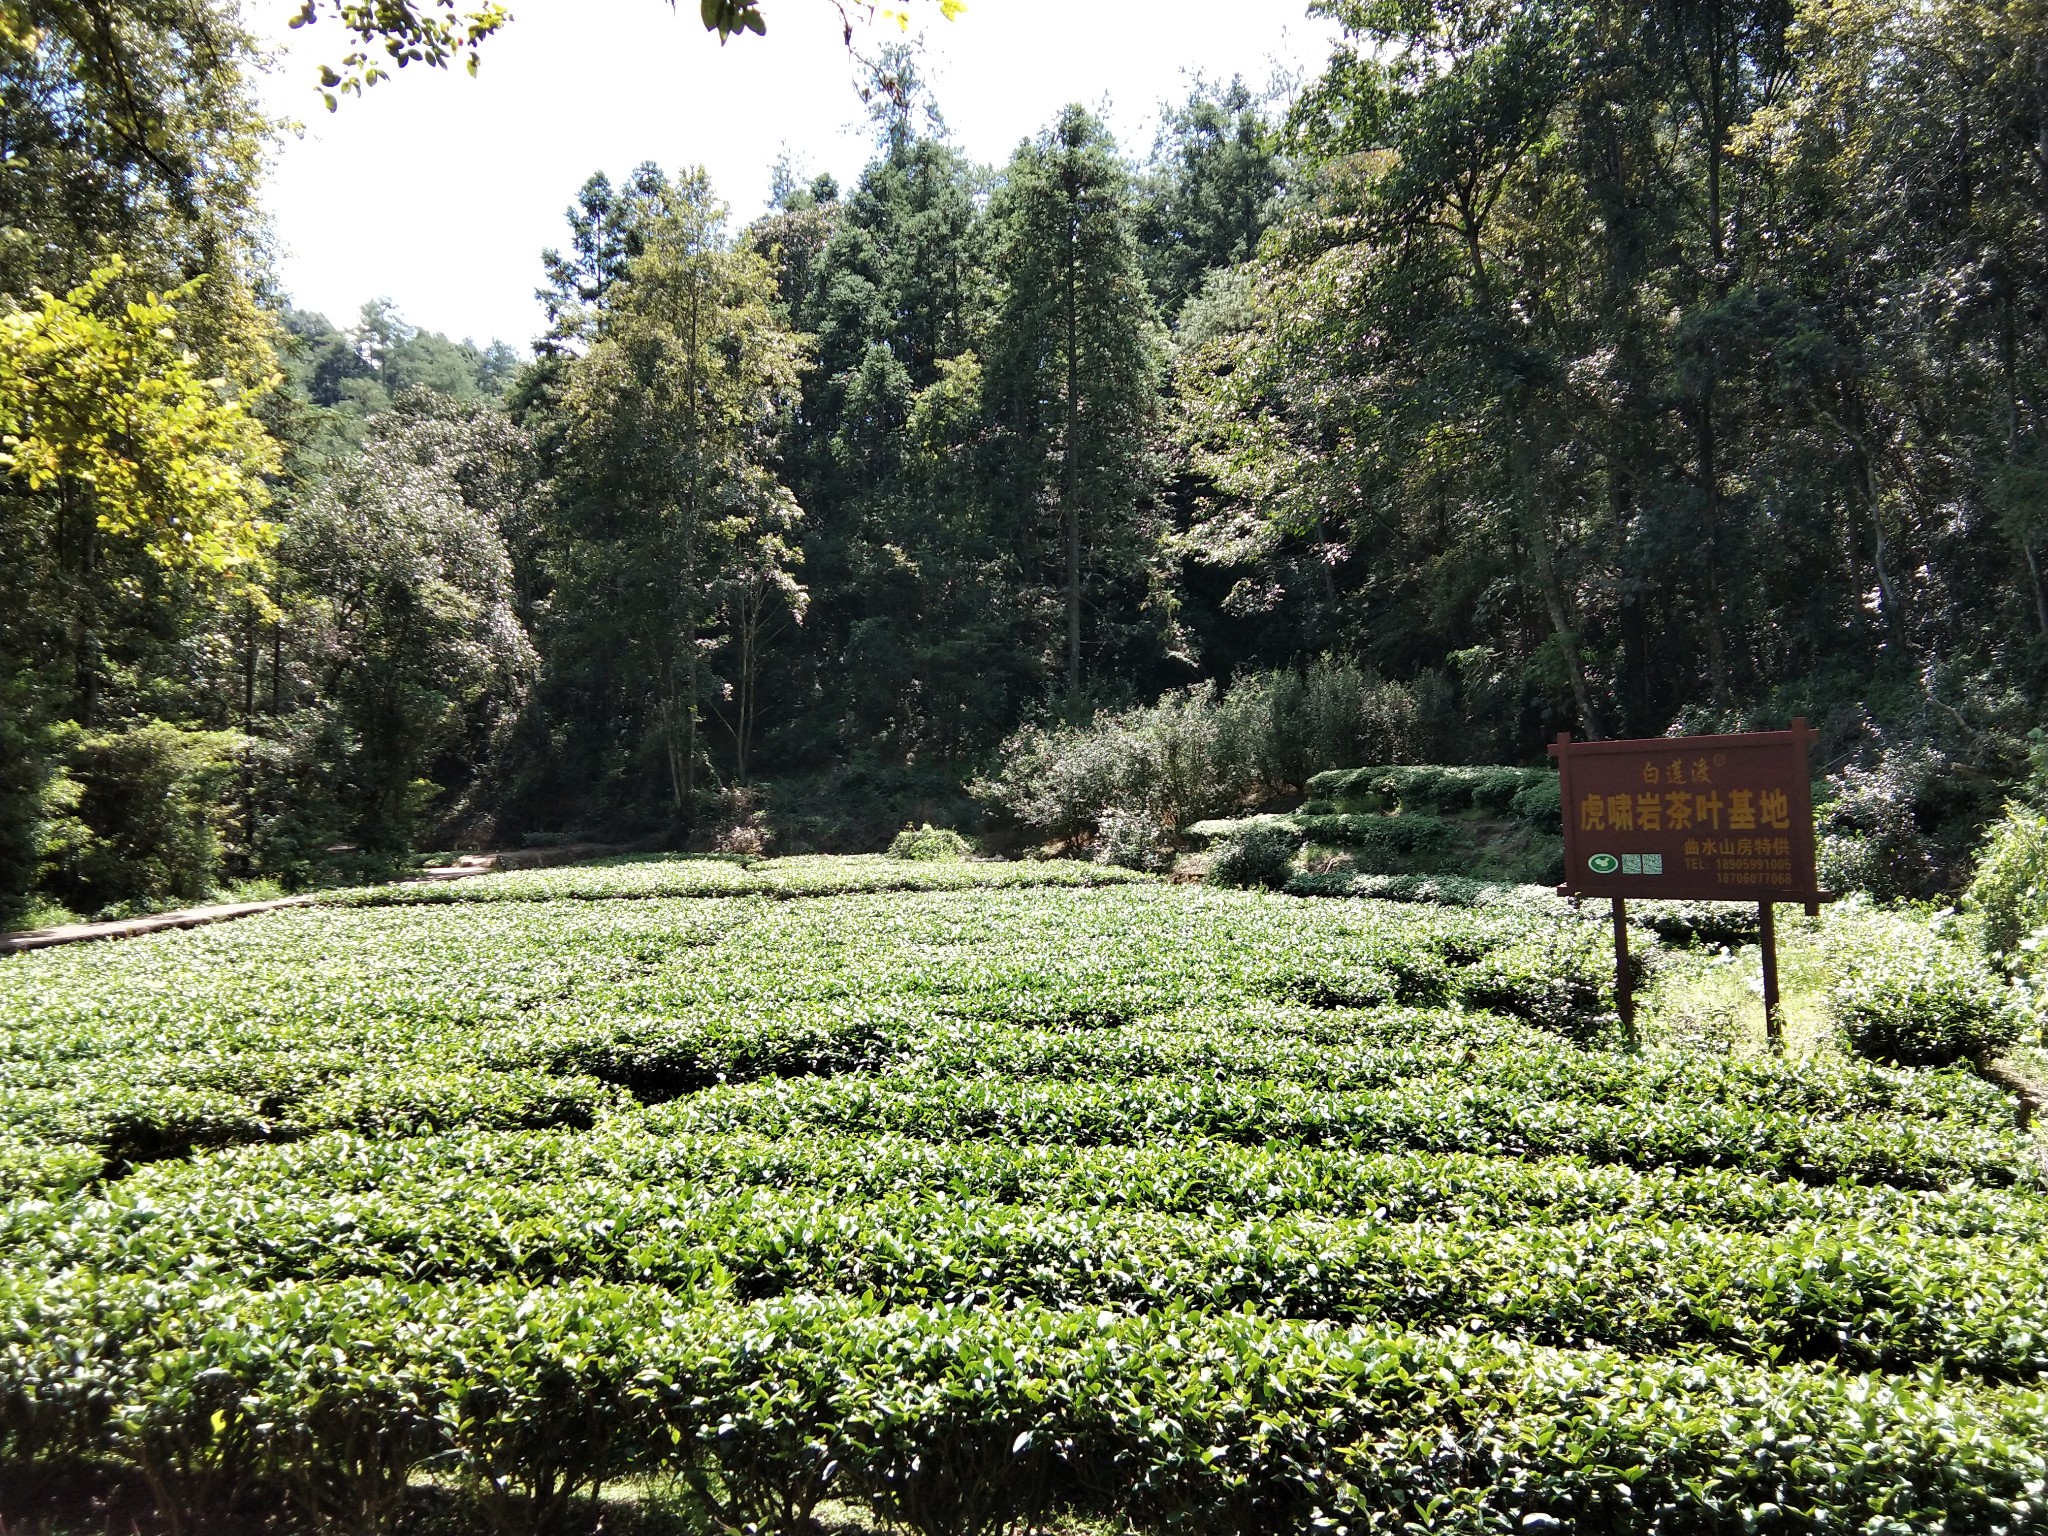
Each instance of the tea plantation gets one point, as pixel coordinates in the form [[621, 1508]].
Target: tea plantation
[[962, 1198]]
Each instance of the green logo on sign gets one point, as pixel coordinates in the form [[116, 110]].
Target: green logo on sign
[[1603, 863]]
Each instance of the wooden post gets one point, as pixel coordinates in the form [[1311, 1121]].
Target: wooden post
[[1767, 933], [1624, 995]]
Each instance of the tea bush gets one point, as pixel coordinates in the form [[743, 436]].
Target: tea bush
[[975, 1203], [1917, 998], [655, 876], [2009, 892], [1431, 789], [1198, 752], [930, 844], [1256, 857]]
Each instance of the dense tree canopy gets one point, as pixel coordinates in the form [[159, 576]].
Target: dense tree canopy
[[1605, 367], [667, 527]]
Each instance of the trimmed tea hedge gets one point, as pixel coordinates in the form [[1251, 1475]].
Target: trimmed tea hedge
[[1185, 1209], [643, 876], [1527, 793]]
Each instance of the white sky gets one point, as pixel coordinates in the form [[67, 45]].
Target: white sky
[[439, 191]]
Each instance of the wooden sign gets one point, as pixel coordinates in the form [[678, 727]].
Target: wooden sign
[[1691, 818]]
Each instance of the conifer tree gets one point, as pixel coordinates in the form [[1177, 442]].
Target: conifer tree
[[1073, 369]]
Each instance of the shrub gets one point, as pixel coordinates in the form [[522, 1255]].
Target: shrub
[[930, 844], [1196, 753], [1527, 793], [1900, 826], [1132, 840], [1262, 856], [1387, 845], [733, 821], [144, 821], [2010, 891], [1920, 999], [1161, 760], [1539, 804], [1279, 728]]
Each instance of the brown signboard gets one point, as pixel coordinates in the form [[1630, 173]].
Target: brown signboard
[[1692, 818]]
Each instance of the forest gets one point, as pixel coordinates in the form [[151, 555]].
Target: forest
[[1605, 368]]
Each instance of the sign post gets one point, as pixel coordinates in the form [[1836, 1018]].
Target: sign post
[[1691, 818], [1624, 989]]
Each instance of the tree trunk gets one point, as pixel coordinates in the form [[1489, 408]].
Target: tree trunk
[[1070, 465], [752, 602], [1863, 490], [249, 648], [1523, 488], [1710, 482], [277, 669], [2040, 595], [2009, 347], [1567, 636], [76, 534], [686, 572]]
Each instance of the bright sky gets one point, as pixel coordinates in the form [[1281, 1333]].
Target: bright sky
[[439, 191]]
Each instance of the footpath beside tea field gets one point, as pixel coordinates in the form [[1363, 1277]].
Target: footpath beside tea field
[[978, 1205]]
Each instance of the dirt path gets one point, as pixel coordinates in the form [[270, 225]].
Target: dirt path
[[135, 927], [463, 868]]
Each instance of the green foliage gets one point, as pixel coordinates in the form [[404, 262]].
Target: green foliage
[[404, 32], [97, 398], [131, 493], [1256, 857], [1133, 840], [1161, 762], [644, 877], [342, 378], [1286, 727], [608, 229], [1475, 368], [2009, 892], [1385, 414], [24, 773], [139, 815], [1071, 377], [930, 844], [402, 609], [1539, 804], [730, 1193], [1919, 996], [670, 542], [1899, 826], [1434, 890], [134, 131], [1197, 753], [1527, 793], [1380, 845], [1208, 193], [1712, 925], [1393, 842]]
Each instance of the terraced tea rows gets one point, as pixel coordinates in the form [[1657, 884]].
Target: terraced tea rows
[[1205, 1210], [717, 875]]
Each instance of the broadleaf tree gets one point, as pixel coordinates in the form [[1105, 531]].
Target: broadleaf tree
[[669, 518]]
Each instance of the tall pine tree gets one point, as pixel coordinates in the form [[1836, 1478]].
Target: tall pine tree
[[1073, 369]]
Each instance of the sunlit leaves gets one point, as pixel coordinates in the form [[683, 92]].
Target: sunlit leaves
[[969, 1205], [436, 33], [100, 400]]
